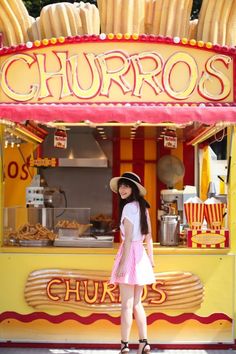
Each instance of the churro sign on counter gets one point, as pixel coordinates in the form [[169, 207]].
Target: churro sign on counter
[[90, 290], [116, 72]]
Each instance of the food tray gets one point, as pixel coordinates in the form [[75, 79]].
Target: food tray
[[87, 242], [35, 243], [64, 233]]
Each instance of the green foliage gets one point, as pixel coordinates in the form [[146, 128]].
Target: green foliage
[[196, 8]]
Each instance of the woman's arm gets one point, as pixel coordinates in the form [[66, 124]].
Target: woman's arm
[[128, 228], [148, 240]]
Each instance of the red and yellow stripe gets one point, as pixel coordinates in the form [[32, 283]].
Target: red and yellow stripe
[[141, 156], [138, 156]]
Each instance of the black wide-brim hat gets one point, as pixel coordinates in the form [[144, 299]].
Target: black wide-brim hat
[[131, 176]]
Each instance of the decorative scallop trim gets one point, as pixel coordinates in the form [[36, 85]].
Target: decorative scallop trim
[[119, 37], [125, 104]]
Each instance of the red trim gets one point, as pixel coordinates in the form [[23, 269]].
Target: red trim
[[161, 151], [10, 344], [188, 161], [34, 128], [128, 113], [66, 316], [224, 49], [138, 154], [39, 152]]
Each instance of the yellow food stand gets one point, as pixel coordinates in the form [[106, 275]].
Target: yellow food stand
[[59, 295]]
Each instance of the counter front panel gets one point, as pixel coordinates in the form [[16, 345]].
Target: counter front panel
[[58, 297]]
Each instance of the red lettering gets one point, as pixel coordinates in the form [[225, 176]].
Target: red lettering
[[25, 174], [12, 169]]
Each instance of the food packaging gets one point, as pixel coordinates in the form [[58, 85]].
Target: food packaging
[[194, 212], [208, 238], [213, 212]]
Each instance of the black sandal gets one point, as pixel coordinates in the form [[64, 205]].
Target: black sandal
[[147, 351], [125, 348]]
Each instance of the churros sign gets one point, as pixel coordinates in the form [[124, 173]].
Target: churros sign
[[116, 72], [90, 290]]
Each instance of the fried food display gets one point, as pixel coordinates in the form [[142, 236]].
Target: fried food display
[[101, 217], [102, 222], [67, 224], [32, 232], [73, 224]]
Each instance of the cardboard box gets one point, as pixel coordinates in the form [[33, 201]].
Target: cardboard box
[[208, 238]]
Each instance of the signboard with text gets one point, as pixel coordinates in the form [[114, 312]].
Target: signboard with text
[[67, 297], [116, 72]]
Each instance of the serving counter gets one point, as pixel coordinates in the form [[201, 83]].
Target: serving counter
[[61, 295]]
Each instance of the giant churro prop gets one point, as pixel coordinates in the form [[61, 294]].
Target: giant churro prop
[[216, 23], [60, 19], [55, 285]]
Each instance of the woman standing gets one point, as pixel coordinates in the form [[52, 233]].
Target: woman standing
[[133, 266]]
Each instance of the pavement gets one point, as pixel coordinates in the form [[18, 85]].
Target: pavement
[[107, 351]]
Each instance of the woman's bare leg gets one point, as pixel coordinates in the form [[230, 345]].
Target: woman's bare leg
[[127, 301], [140, 316]]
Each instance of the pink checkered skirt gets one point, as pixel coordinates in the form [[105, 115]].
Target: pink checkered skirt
[[139, 270]]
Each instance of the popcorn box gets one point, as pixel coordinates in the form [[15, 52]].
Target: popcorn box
[[194, 213], [214, 215], [208, 238]]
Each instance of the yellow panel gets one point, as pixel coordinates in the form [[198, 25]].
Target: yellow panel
[[126, 150], [150, 182], [222, 187], [126, 145], [158, 250], [17, 175], [211, 271], [150, 150], [150, 132], [124, 132], [125, 167], [205, 173]]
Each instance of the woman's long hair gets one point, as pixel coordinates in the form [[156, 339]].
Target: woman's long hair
[[134, 196]]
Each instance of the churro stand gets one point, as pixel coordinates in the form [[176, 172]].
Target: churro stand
[[57, 291]]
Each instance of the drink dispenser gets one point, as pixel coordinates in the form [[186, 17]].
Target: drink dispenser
[[169, 230]]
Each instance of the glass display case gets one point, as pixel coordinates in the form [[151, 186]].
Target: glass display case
[[39, 226]]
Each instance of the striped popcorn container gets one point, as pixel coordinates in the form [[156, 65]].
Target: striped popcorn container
[[213, 212], [194, 212]]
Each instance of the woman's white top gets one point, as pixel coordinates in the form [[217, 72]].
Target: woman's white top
[[131, 211]]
